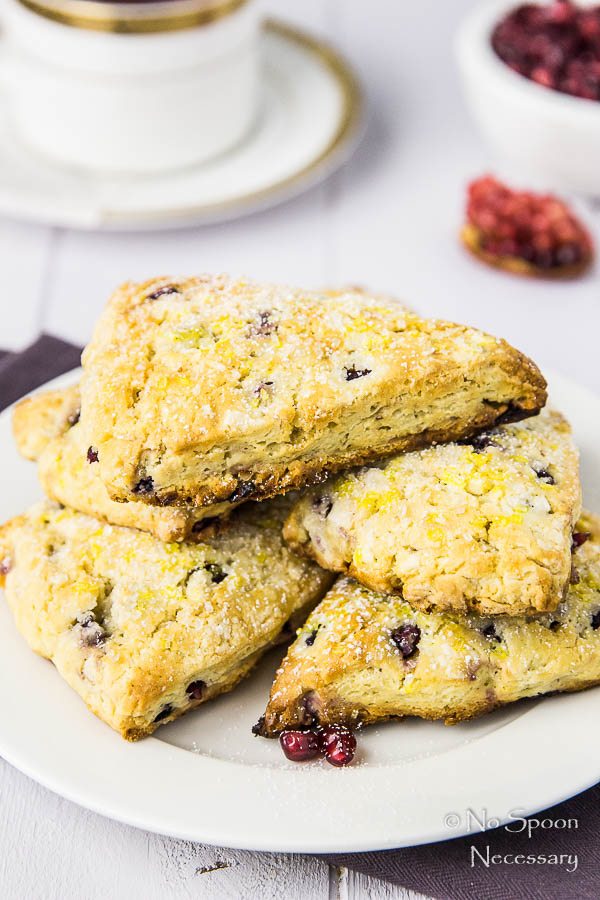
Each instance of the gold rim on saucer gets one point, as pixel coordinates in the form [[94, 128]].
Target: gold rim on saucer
[[347, 132], [134, 18]]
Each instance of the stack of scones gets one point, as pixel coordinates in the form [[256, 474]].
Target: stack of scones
[[243, 464]]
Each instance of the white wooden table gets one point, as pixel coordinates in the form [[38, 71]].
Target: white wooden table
[[388, 220]]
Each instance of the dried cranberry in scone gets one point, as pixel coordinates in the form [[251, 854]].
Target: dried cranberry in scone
[[523, 232], [554, 44]]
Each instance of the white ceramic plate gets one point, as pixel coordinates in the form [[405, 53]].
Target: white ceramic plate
[[308, 124], [206, 778]]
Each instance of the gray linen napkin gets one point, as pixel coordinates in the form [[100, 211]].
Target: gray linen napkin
[[553, 856]]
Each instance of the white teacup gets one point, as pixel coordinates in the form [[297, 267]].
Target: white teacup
[[131, 87]]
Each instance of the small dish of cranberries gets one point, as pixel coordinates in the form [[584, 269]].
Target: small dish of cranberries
[[523, 232], [555, 44], [531, 78]]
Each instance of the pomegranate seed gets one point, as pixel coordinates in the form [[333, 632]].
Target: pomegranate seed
[[5, 565], [338, 744], [406, 638], [537, 231], [164, 713], [299, 745], [163, 291], [490, 632], [579, 538], [335, 742], [561, 12], [543, 76], [589, 24], [195, 690], [144, 486], [556, 45]]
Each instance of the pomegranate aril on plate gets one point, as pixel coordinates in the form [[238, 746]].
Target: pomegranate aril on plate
[[335, 742], [579, 538], [338, 745], [299, 746], [523, 232]]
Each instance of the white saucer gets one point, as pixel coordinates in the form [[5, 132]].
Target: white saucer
[[308, 125], [206, 778]]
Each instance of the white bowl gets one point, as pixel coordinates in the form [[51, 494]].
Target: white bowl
[[552, 135], [137, 101]]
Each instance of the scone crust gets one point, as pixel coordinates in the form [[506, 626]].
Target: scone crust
[[483, 527], [208, 389], [351, 671], [131, 622], [68, 477], [47, 428], [39, 418]]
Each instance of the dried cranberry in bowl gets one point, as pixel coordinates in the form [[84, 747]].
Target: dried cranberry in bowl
[[556, 45]]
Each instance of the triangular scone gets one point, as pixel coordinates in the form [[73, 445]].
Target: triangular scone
[[39, 418], [46, 428], [207, 389], [364, 656], [483, 526], [145, 630]]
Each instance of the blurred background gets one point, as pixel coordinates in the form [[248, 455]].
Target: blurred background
[[388, 219]]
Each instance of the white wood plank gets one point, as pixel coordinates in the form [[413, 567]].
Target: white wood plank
[[355, 886], [52, 849], [25, 260], [239, 874]]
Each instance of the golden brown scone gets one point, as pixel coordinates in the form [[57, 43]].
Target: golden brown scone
[[46, 427], [207, 389], [67, 476], [145, 630], [483, 527], [364, 656], [41, 417]]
